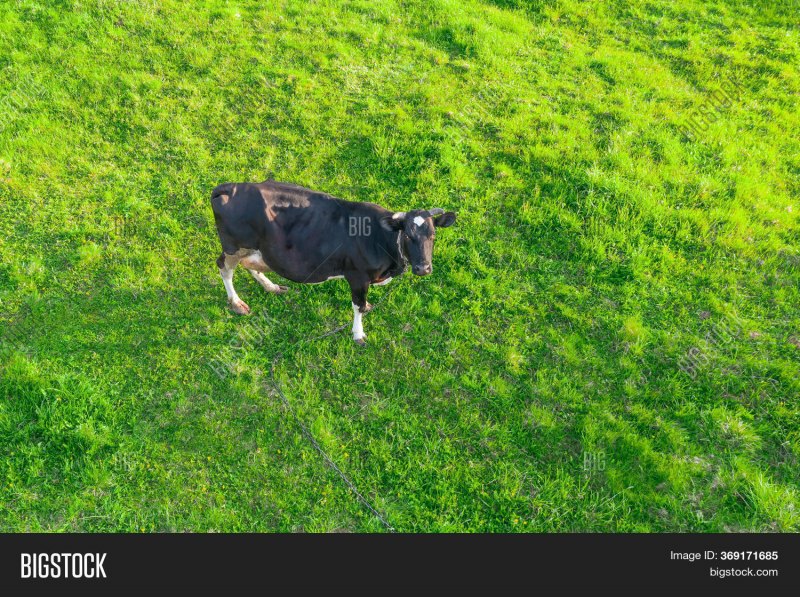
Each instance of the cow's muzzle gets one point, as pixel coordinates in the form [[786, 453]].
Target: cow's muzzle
[[422, 270]]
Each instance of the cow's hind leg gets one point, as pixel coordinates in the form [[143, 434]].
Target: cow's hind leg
[[265, 282], [254, 263], [227, 265]]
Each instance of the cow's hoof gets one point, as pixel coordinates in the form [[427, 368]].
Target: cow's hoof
[[361, 341], [281, 290], [239, 307], [367, 308]]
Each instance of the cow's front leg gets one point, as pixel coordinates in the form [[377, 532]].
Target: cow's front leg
[[227, 265], [358, 290]]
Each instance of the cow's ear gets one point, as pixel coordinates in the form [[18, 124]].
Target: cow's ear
[[445, 220], [394, 222]]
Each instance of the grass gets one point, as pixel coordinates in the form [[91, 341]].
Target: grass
[[611, 338]]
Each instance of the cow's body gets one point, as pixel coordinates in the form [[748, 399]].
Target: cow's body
[[309, 237]]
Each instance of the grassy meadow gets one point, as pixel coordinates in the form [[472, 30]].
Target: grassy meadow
[[610, 340]]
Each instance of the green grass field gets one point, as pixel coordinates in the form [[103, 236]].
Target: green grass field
[[611, 338]]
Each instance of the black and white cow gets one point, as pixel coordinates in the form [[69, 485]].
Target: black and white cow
[[309, 237]]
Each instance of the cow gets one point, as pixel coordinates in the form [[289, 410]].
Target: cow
[[310, 237]]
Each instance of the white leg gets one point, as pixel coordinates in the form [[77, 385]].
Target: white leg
[[237, 304], [227, 279], [266, 283], [358, 329]]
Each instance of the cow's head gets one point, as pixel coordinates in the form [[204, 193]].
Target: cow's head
[[417, 231]]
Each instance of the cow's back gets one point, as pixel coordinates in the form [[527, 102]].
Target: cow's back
[[294, 228]]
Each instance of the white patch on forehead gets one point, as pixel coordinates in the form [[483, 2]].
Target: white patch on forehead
[[419, 220]]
